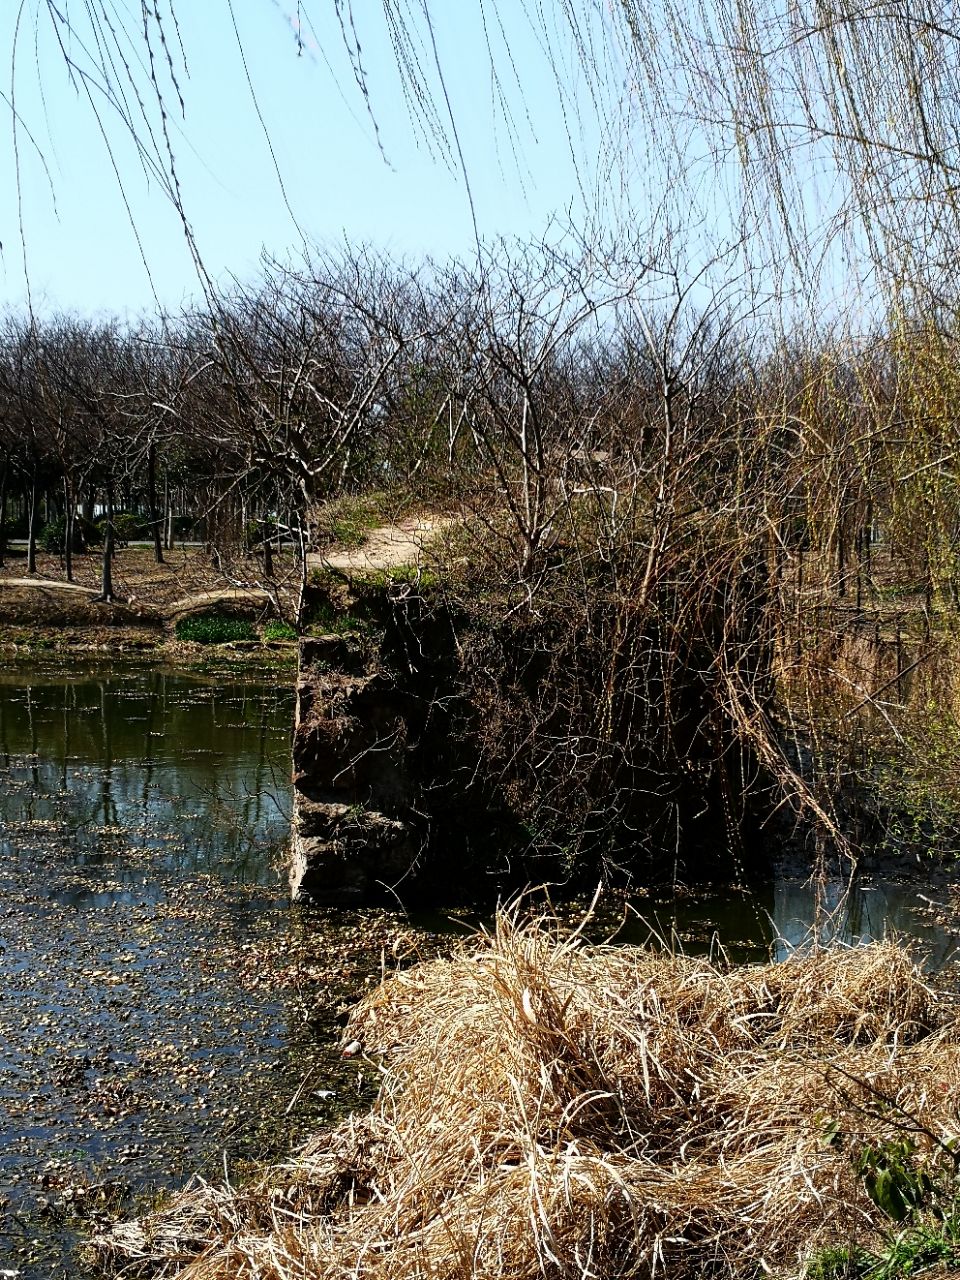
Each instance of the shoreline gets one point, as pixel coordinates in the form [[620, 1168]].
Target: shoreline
[[43, 614], [30, 642]]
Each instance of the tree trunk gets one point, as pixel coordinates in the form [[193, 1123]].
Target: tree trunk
[[267, 550], [69, 519], [841, 561], [302, 592], [3, 513], [859, 555], [152, 502], [106, 582], [32, 527]]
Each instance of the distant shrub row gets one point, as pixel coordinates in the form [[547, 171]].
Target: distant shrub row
[[127, 527]]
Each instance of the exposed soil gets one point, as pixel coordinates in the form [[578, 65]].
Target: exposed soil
[[42, 611], [388, 547]]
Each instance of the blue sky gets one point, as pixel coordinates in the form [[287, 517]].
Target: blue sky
[[339, 181]]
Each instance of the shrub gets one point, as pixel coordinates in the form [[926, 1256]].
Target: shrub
[[348, 520], [128, 527], [403, 575], [277, 630], [326, 620], [208, 628], [53, 536], [17, 526], [257, 532]]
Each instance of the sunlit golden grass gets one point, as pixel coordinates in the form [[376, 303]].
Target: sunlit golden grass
[[554, 1109]]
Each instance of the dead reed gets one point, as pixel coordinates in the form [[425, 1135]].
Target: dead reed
[[552, 1109]]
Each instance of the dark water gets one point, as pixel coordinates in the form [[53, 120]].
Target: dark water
[[774, 920], [198, 768], [163, 1009]]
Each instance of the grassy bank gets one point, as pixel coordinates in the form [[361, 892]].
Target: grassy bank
[[551, 1109], [189, 609]]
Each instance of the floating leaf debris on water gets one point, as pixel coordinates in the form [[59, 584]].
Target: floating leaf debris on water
[[149, 1021]]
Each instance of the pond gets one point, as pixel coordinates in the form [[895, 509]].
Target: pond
[[164, 1010]]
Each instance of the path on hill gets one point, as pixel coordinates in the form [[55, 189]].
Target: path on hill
[[387, 547]]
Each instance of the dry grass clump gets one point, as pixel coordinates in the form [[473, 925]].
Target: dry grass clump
[[553, 1109]]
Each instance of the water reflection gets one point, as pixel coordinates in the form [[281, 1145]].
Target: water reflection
[[866, 910], [143, 819], [192, 771], [775, 920]]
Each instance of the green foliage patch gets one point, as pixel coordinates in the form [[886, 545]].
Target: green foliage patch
[[916, 778], [347, 521], [275, 629], [208, 628], [127, 527], [839, 1262], [402, 575], [53, 536], [257, 532], [920, 1203], [326, 620]]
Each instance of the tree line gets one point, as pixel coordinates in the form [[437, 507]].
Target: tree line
[[634, 463], [560, 387]]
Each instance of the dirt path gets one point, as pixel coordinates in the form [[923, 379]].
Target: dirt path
[[149, 594], [47, 584], [225, 595], [388, 547]]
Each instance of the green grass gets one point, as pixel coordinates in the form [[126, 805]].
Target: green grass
[[208, 628], [839, 1262], [899, 590], [916, 1249], [277, 630], [921, 1207], [401, 574], [910, 1252], [347, 521]]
